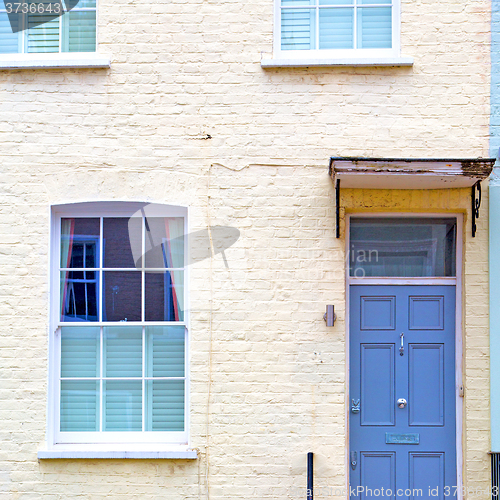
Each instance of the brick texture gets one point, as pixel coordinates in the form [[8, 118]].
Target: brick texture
[[277, 376]]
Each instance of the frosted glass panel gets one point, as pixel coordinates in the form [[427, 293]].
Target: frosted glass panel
[[165, 405], [412, 247], [297, 29], [122, 405], [79, 406], [375, 28], [165, 351], [80, 352], [336, 29], [122, 351]]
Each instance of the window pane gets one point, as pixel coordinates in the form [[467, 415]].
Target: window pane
[[122, 238], [165, 296], [367, 2], [375, 28], [297, 3], [92, 3], [297, 29], [122, 405], [80, 352], [164, 242], [165, 351], [402, 247], [43, 33], [122, 351], [80, 4], [80, 242], [81, 27], [165, 405], [9, 42], [336, 29], [122, 296], [336, 2], [78, 295], [79, 406]]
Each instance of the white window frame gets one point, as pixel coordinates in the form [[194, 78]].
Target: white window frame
[[133, 441], [327, 57]]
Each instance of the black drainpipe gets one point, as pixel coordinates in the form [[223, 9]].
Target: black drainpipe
[[310, 476], [495, 475]]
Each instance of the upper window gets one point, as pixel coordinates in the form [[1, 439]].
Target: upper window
[[118, 350], [36, 26], [338, 27]]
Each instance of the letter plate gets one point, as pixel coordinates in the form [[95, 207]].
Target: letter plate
[[393, 438]]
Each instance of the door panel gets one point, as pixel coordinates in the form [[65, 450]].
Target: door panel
[[378, 313], [426, 391], [413, 446], [426, 313], [426, 472], [377, 471], [377, 393]]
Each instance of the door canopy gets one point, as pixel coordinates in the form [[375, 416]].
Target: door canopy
[[404, 173]]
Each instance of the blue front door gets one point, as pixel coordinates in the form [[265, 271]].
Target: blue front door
[[402, 392]]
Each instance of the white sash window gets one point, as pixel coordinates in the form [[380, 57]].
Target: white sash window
[[119, 341], [337, 28]]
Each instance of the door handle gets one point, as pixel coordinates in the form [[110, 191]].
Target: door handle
[[354, 460], [402, 348], [402, 403]]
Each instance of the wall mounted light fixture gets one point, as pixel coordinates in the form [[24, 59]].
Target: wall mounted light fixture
[[330, 316]]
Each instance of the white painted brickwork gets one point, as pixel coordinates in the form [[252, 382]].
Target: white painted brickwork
[[136, 132]]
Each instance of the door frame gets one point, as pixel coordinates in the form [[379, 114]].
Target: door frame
[[457, 281]]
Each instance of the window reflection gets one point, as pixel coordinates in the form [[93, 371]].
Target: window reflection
[[396, 247], [121, 296], [130, 283], [120, 235], [80, 242], [164, 296]]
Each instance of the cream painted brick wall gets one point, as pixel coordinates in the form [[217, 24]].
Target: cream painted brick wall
[[181, 70]]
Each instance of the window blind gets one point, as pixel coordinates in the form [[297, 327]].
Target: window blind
[[123, 378], [42, 37], [80, 359], [79, 31], [375, 27], [297, 29], [9, 42]]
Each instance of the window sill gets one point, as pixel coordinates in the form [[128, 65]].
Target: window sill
[[54, 61], [283, 62], [144, 455]]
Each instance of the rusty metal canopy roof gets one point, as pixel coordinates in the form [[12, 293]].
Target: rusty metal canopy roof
[[404, 173]]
